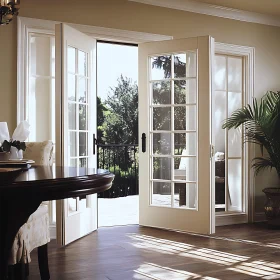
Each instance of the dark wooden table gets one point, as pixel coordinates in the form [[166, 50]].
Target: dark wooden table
[[22, 194]]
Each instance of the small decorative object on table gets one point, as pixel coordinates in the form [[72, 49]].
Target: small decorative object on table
[[13, 147]]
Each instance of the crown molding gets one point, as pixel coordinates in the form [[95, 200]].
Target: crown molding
[[213, 10]]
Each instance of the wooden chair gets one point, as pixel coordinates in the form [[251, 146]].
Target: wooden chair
[[35, 233]]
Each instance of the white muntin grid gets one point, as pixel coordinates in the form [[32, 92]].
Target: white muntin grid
[[172, 156], [78, 131], [226, 90]]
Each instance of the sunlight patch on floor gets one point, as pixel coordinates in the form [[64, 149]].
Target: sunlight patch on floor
[[185, 250], [157, 272], [260, 269]]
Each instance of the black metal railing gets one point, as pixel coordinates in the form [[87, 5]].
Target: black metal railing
[[122, 160]]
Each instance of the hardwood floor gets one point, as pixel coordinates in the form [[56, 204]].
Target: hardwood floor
[[124, 253]]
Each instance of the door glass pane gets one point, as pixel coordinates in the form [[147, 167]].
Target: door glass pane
[[220, 72], [71, 87], [39, 113], [185, 92], [83, 144], [191, 64], [162, 143], [40, 52], [162, 118], [235, 74], [82, 90], [234, 102], [220, 114], [83, 162], [72, 115], [162, 168], [234, 135], [185, 117], [179, 65], [71, 59], [235, 184], [235, 143], [73, 162], [161, 92], [185, 195], [174, 154], [161, 67], [73, 144], [82, 63], [83, 117], [161, 195], [185, 144], [185, 168]]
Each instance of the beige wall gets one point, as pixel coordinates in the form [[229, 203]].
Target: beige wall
[[138, 17]]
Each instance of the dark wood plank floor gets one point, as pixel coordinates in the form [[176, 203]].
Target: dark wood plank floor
[[124, 253]]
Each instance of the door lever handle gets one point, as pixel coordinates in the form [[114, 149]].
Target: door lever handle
[[143, 142]]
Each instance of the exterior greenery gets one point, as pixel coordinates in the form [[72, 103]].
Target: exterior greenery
[[118, 127], [261, 123]]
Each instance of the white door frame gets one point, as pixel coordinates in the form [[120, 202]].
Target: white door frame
[[27, 26], [248, 54]]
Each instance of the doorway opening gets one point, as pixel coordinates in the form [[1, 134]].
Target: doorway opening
[[117, 131]]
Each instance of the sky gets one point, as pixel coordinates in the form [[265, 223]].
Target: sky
[[112, 61]]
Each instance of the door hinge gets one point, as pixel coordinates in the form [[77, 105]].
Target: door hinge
[[212, 151]]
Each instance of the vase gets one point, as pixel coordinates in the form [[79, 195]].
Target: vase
[[272, 206], [15, 153]]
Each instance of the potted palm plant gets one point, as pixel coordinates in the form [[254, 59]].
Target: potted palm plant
[[261, 123]]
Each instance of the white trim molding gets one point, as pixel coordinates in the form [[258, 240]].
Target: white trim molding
[[214, 10], [259, 217], [231, 219], [248, 54]]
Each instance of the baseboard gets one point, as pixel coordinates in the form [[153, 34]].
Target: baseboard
[[231, 219], [259, 217], [53, 231]]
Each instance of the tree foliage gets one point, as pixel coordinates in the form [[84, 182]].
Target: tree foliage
[[120, 124]]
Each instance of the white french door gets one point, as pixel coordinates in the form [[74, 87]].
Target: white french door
[[175, 87], [75, 125]]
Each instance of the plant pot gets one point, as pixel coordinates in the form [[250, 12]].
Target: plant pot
[[272, 206]]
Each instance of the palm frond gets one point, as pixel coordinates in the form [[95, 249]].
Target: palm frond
[[261, 124], [261, 163]]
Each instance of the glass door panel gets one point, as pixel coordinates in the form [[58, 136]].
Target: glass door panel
[[77, 107], [76, 124], [173, 110], [228, 97], [175, 192]]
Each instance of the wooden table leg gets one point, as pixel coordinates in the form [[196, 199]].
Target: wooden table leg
[[43, 262], [13, 214]]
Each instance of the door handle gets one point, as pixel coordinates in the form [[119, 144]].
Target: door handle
[[143, 142]]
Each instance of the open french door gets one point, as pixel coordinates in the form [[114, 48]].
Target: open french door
[[175, 186], [75, 62]]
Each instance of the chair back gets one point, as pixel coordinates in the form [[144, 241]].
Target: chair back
[[40, 152]]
